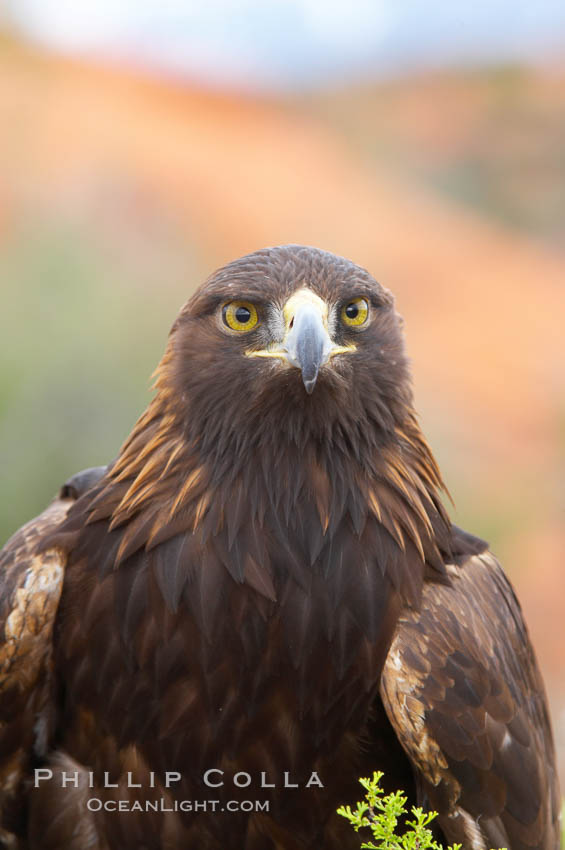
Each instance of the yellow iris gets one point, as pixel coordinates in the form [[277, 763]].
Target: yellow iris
[[240, 316], [355, 312]]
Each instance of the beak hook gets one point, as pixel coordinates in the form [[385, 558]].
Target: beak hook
[[308, 344]]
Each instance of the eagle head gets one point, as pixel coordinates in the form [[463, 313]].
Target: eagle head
[[288, 341]]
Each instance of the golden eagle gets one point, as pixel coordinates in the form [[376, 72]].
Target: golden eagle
[[262, 599]]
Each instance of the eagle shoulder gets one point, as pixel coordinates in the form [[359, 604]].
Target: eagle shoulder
[[31, 582], [463, 691]]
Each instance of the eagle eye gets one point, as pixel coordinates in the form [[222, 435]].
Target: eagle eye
[[240, 316], [355, 312]]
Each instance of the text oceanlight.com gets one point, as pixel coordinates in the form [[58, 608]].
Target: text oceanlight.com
[[95, 804]]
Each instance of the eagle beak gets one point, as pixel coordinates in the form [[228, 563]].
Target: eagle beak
[[307, 343]]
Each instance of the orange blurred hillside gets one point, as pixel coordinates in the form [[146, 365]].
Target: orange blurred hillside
[[118, 194]]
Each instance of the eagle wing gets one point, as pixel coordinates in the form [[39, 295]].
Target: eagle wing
[[463, 692], [30, 587]]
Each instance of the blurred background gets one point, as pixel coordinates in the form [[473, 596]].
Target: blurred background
[[142, 144]]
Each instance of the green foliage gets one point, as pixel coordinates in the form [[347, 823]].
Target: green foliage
[[384, 815], [85, 324]]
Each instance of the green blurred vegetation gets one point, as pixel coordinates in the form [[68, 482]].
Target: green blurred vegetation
[[98, 322]]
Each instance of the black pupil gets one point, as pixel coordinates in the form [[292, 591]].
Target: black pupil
[[352, 311], [243, 315]]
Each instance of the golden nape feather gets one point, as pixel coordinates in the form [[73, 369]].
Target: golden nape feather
[[263, 598]]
